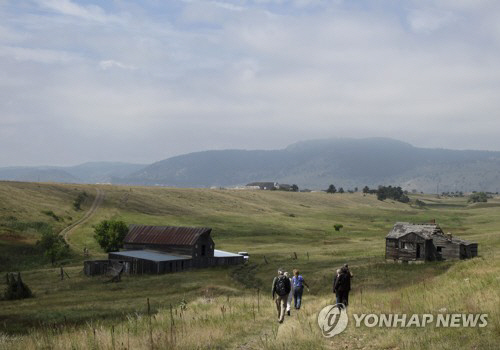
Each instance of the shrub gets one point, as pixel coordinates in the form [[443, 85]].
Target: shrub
[[79, 200], [337, 227], [110, 234], [478, 197], [51, 214], [54, 246], [16, 288]]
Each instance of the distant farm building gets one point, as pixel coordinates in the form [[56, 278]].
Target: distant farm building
[[263, 185], [409, 242], [163, 249]]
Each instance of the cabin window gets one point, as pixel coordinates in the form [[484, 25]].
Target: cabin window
[[406, 245], [439, 249]]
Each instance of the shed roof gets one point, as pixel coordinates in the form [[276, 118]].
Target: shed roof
[[150, 255], [142, 234], [425, 231]]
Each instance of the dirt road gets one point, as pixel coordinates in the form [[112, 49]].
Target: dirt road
[[99, 198]]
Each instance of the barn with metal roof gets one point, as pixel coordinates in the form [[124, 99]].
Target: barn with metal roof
[[163, 249], [193, 241]]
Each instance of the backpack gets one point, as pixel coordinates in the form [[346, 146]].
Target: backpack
[[282, 285]]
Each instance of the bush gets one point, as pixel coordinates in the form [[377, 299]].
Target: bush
[[79, 200], [331, 189], [51, 214], [479, 197], [337, 227], [53, 245], [420, 203], [16, 288], [395, 193], [110, 234]]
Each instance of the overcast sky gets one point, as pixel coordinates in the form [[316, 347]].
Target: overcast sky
[[140, 81]]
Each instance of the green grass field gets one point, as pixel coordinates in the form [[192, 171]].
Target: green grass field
[[230, 307]]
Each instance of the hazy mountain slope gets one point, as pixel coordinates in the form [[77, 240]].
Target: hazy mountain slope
[[344, 162], [313, 164], [84, 173], [36, 174], [93, 172]]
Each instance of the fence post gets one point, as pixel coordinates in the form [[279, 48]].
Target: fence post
[[150, 329], [258, 300]]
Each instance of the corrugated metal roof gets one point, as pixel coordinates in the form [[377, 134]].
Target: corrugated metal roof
[[141, 234], [423, 230], [223, 254], [150, 255]]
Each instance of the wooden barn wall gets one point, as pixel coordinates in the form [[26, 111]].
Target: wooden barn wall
[[203, 240], [471, 250], [95, 267], [449, 250], [143, 266], [391, 248], [395, 251]]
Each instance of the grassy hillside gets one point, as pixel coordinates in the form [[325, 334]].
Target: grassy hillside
[[230, 307]]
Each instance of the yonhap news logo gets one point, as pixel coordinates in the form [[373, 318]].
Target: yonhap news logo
[[333, 320]]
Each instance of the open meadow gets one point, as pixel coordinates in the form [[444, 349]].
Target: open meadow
[[231, 307]]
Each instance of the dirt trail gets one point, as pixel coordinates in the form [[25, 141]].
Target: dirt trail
[[99, 198]]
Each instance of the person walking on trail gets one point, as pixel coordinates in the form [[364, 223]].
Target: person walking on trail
[[298, 288], [348, 270], [343, 285], [290, 295], [335, 291], [281, 289]]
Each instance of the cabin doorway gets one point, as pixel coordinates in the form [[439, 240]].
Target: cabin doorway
[[418, 251]]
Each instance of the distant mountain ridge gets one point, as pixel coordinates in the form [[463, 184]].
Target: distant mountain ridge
[[314, 164], [345, 163], [91, 172]]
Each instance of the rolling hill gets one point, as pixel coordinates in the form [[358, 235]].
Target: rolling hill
[[344, 162], [315, 164], [91, 172]]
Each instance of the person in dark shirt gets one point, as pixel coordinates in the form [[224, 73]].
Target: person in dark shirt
[[342, 286], [280, 290]]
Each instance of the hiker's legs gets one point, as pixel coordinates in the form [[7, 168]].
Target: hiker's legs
[[344, 298], [289, 302], [298, 300], [338, 298], [278, 307], [295, 298], [282, 304]]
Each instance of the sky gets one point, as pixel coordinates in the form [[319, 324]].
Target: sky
[[143, 81]]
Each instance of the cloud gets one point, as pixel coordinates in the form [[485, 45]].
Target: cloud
[[69, 8], [38, 55], [107, 64], [144, 81], [428, 21]]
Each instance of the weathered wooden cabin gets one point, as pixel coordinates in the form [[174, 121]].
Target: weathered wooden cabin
[[163, 249], [408, 242]]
